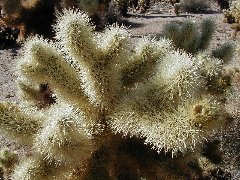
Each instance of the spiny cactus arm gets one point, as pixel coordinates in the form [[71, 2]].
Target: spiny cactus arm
[[8, 159], [224, 52], [143, 61], [186, 36], [28, 91], [178, 76], [208, 113], [38, 168], [213, 70], [42, 63], [65, 137], [154, 129], [76, 37], [99, 71], [114, 43], [173, 130], [17, 124], [210, 67], [183, 35], [208, 28], [103, 78], [171, 31]]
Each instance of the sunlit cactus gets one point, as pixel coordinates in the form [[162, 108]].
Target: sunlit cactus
[[110, 97], [186, 35]]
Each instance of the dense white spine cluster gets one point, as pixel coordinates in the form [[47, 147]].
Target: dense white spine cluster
[[179, 75], [105, 85], [18, 124], [64, 137]]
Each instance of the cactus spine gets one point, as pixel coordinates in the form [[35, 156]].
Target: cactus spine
[[111, 95]]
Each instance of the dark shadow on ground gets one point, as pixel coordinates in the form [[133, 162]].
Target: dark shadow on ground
[[129, 24], [159, 16]]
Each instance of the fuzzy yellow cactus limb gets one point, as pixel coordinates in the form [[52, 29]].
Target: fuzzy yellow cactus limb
[[64, 137], [187, 37], [107, 88], [224, 52], [113, 42], [142, 63], [211, 67], [28, 91], [178, 75], [174, 130], [217, 78], [43, 63], [190, 29], [17, 124], [98, 65], [8, 159], [207, 30], [174, 99], [36, 168]]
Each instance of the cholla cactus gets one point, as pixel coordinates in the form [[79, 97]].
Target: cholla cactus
[[187, 37], [112, 98], [232, 15], [234, 10], [7, 161], [123, 5]]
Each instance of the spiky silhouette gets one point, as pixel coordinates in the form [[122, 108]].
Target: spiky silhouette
[[122, 110]]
